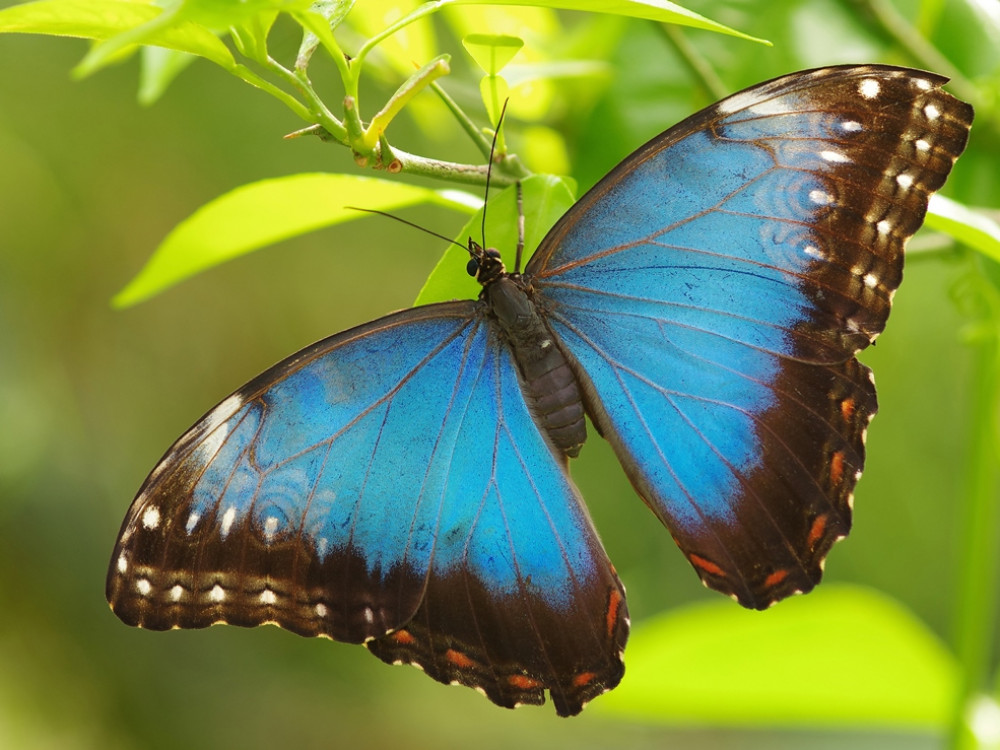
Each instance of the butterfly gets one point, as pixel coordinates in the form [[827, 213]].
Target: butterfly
[[404, 484]]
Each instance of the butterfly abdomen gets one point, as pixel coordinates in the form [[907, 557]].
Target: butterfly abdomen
[[548, 383]]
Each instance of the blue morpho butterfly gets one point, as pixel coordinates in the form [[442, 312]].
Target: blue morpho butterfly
[[404, 484]]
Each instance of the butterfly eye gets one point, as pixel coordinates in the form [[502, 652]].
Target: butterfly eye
[[472, 267]]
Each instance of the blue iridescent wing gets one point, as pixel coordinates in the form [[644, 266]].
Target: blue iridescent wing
[[712, 292], [386, 485]]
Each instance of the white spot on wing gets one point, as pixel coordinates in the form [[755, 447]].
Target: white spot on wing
[[871, 280], [227, 521], [151, 518], [192, 521], [321, 610], [270, 527], [217, 594], [922, 83], [922, 145], [834, 156], [268, 597], [814, 252], [176, 593], [851, 126], [883, 227], [143, 586], [932, 112], [820, 197], [869, 88], [904, 180], [369, 615], [122, 564]]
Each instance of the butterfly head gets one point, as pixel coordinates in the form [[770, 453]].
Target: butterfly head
[[484, 265]]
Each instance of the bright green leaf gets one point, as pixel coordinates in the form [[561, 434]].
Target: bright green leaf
[[494, 91], [158, 70], [221, 14], [318, 23], [965, 225], [840, 657], [262, 213], [250, 35], [546, 198], [654, 10], [492, 52], [106, 19]]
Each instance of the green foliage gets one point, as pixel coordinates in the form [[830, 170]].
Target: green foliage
[[262, 213], [585, 90], [717, 664]]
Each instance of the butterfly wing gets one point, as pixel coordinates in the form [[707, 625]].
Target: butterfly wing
[[713, 290], [387, 480]]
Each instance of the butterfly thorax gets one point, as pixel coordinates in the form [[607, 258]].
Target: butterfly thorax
[[548, 383]]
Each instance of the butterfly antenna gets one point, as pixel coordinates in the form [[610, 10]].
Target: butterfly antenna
[[489, 166], [408, 223], [520, 227]]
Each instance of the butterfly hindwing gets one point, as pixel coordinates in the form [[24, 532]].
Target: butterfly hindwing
[[516, 568], [713, 290], [388, 480]]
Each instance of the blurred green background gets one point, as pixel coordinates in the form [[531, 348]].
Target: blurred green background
[[90, 397]]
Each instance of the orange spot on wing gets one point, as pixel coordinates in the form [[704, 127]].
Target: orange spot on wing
[[707, 565], [775, 578], [523, 682], [584, 678], [836, 467], [460, 660], [847, 409], [816, 531], [614, 606], [403, 637]]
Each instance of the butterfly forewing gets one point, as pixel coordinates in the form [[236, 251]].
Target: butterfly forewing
[[388, 480], [713, 290]]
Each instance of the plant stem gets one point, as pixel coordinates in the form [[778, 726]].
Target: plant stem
[[244, 73], [977, 597], [695, 61], [424, 10], [468, 174], [404, 94], [317, 111], [472, 130]]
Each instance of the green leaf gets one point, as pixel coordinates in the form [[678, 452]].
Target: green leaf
[[107, 19], [250, 35], [654, 10], [159, 68], [262, 213], [492, 52], [221, 14], [546, 198], [494, 91], [841, 657], [965, 225], [325, 15]]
